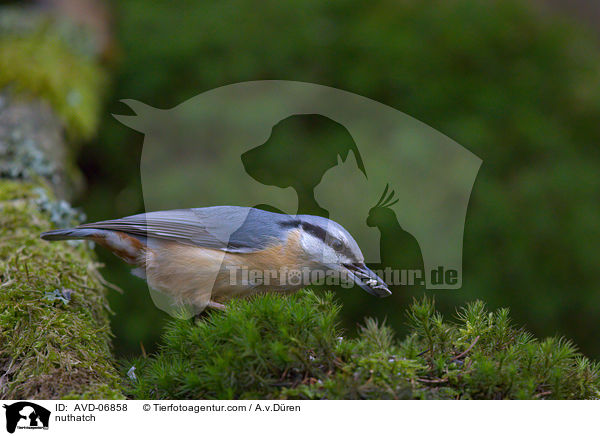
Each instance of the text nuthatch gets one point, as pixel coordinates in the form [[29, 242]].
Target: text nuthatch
[[197, 255]]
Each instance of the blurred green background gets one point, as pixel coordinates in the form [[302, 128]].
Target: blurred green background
[[512, 81]]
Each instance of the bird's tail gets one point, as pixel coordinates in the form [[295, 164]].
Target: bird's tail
[[129, 248], [62, 234]]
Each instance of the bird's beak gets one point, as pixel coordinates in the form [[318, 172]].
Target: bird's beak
[[367, 279]]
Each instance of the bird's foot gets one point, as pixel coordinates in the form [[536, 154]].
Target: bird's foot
[[217, 306]]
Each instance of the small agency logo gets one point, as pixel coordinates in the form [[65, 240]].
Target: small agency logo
[[26, 415]]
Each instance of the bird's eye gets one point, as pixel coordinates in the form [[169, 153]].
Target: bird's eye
[[337, 244]]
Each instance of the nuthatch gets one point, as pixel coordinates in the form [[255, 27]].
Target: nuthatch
[[191, 253]]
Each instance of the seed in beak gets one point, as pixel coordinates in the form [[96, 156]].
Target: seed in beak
[[371, 282]]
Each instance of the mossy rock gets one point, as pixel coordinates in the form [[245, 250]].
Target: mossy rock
[[54, 327]]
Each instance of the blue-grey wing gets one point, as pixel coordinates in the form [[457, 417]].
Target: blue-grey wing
[[227, 228]]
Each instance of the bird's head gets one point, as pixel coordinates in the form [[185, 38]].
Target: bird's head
[[327, 245]]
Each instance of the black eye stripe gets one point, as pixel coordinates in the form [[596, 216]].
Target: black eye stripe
[[321, 234], [316, 231], [328, 239]]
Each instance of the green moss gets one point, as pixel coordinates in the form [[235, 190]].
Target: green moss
[[40, 64], [14, 190], [49, 349], [290, 348]]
